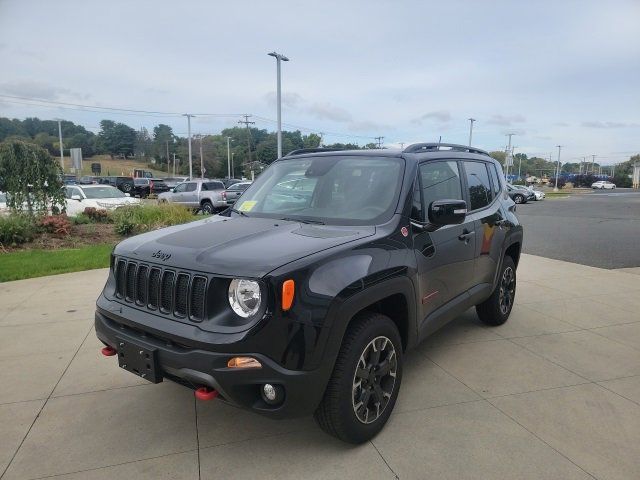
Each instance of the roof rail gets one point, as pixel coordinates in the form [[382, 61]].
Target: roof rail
[[431, 147], [301, 151]]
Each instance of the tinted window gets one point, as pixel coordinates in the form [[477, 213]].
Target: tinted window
[[213, 186], [478, 183], [495, 180], [181, 188], [440, 181], [190, 187]]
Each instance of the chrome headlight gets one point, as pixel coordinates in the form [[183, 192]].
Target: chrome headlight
[[244, 297]]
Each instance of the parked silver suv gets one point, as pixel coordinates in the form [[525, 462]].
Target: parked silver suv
[[200, 194]]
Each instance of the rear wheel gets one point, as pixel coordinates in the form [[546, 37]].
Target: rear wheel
[[207, 207], [496, 309], [126, 187], [518, 198], [365, 381]]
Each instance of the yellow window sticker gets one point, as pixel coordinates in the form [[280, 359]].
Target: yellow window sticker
[[247, 205]]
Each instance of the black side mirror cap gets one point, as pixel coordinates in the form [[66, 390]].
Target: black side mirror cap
[[447, 212]]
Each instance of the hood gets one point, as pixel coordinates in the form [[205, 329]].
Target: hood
[[237, 246]]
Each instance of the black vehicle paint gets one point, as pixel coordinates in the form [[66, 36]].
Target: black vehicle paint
[[419, 276]]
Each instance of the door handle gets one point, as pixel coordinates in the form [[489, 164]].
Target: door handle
[[464, 236]]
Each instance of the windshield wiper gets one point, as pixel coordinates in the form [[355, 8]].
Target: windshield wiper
[[314, 222], [239, 212]]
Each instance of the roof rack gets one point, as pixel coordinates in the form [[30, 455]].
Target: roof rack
[[432, 147], [301, 151]]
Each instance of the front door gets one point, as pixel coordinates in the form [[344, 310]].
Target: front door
[[444, 257], [190, 195]]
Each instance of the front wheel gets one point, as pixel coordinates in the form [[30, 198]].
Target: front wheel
[[496, 309], [518, 199], [364, 385]]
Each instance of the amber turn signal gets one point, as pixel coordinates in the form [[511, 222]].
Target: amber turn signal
[[243, 362], [288, 291]]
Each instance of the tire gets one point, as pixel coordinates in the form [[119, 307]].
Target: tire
[[207, 208], [341, 412], [496, 309], [126, 187], [518, 199]]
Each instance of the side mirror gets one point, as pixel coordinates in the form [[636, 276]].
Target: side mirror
[[76, 197], [447, 212]]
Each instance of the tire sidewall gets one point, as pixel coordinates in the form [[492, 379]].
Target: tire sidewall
[[207, 207], [357, 430], [506, 263], [519, 199]]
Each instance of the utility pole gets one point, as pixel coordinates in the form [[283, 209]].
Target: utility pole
[[279, 58], [507, 158], [593, 164], [246, 123], [201, 159], [167, 144], [188, 115], [471, 120], [232, 168], [228, 158], [61, 147], [174, 164], [379, 139], [555, 189]]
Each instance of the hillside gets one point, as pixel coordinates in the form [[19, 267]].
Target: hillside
[[114, 166]]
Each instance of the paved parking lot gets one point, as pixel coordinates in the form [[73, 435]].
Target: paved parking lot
[[553, 394], [598, 228]]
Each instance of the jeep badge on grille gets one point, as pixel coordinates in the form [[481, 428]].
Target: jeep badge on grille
[[161, 255]]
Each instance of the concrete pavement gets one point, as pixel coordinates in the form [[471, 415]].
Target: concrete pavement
[[554, 393]]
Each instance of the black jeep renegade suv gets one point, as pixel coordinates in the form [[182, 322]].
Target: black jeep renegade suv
[[305, 296]]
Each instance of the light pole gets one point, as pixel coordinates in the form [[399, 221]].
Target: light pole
[[471, 120], [188, 115], [279, 58], [555, 189], [508, 158], [59, 120], [232, 168], [228, 158]]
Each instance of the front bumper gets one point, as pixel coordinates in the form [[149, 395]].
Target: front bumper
[[194, 366]]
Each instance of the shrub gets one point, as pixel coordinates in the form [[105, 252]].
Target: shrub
[[143, 218], [16, 229], [97, 215], [81, 219], [56, 224], [561, 182]]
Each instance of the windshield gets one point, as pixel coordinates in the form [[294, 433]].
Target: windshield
[[103, 192], [340, 190]]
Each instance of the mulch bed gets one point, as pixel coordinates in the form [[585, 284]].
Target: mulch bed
[[80, 236]]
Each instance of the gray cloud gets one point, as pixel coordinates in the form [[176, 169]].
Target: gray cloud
[[369, 127], [561, 124], [326, 111], [599, 124], [440, 116], [35, 89], [505, 120]]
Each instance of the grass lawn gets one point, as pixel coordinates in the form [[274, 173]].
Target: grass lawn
[[38, 263]]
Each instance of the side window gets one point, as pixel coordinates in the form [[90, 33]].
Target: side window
[[440, 181], [191, 187], [495, 180], [71, 191], [479, 186], [181, 188]]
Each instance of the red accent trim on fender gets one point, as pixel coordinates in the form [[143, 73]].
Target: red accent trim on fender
[[429, 296]]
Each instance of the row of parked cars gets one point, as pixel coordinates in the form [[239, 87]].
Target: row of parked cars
[[522, 194]]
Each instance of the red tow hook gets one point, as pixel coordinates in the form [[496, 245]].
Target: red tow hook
[[108, 351], [206, 393]]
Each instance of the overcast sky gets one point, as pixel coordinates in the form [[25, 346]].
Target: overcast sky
[[553, 72]]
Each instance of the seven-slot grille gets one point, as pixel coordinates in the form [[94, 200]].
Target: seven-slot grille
[[180, 294]]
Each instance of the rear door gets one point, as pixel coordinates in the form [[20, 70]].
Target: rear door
[[483, 189], [445, 257]]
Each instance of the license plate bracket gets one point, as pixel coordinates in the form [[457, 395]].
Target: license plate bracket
[[139, 360]]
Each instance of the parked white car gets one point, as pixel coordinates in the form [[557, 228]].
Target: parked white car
[[602, 184], [4, 210], [539, 194], [103, 197]]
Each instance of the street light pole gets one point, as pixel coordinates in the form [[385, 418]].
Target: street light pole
[[228, 158], [232, 168], [189, 134], [555, 189], [279, 58], [61, 147], [471, 120], [507, 158]]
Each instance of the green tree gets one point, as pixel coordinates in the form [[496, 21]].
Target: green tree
[[116, 138], [31, 178]]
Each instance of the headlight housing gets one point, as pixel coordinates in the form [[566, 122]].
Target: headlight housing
[[244, 297]]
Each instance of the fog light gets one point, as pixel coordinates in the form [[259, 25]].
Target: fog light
[[272, 394]]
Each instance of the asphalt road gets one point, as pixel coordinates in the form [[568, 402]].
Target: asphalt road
[[600, 229]]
